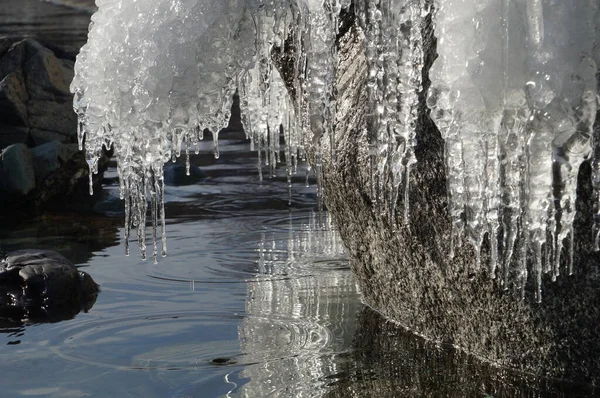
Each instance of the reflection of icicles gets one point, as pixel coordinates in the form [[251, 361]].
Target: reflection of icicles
[[299, 309]]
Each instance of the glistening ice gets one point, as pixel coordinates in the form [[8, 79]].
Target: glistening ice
[[514, 94]]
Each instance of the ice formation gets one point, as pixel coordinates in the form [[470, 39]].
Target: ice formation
[[514, 94]]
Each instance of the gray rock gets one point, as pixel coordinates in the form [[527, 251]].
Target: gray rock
[[17, 177], [49, 157], [44, 75], [13, 99], [13, 135], [52, 116], [34, 93], [68, 68], [44, 286], [404, 270], [5, 44], [39, 137], [12, 60]]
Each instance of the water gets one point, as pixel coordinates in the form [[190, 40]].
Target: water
[[255, 299]]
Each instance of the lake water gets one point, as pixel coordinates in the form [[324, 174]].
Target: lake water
[[255, 298]]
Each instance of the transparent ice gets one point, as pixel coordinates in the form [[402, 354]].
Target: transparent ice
[[514, 94]]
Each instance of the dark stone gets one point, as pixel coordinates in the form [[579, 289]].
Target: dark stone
[[404, 270], [12, 60], [39, 137], [68, 68], [13, 135], [52, 116], [5, 44], [44, 75], [16, 171], [50, 157], [13, 99], [36, 108], [42, 285]]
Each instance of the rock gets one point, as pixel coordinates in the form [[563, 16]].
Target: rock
[[13, 99], [17, 177], [404, 270], [12, 60], [5, 44], [44, 286], [68, 68], [49, 157], [44, 73], [39, 137], [52, 116], [13, 135], [34, 93]]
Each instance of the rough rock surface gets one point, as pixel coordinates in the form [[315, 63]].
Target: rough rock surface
[[34, 95], [404, 270], [36, 111], [17, 176], [43, 286]]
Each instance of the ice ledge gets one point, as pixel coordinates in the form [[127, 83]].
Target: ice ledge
[[404, 272]]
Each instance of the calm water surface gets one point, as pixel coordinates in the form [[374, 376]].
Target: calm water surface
[[255, 299]]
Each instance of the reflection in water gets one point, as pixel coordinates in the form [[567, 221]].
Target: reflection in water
[[306, 334], [302, 309], [75, 235], [387, 361]]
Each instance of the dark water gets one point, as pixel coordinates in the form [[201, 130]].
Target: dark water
[[255, 299]]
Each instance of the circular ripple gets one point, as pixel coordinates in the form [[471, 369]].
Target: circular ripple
[[166, 341], [187, 340]]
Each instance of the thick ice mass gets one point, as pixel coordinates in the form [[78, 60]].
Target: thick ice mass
[[514, 93]]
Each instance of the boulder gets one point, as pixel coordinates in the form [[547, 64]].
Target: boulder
[[13, 135], [49, 157], [13, 99], [403, 268], [34, 93], [17, 177], [54, 116], [44, 73]]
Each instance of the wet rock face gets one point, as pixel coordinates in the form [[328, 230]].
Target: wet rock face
[[404, 270], [43, 286]]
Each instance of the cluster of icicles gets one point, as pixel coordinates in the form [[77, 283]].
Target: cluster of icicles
[[514, 94]]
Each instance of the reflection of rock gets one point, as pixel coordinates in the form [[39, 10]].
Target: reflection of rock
[[36, 109], [43, 286], [298, 313], [76, 235], [388, 361]]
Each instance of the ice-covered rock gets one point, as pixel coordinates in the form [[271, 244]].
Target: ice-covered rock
[[514, 93]]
